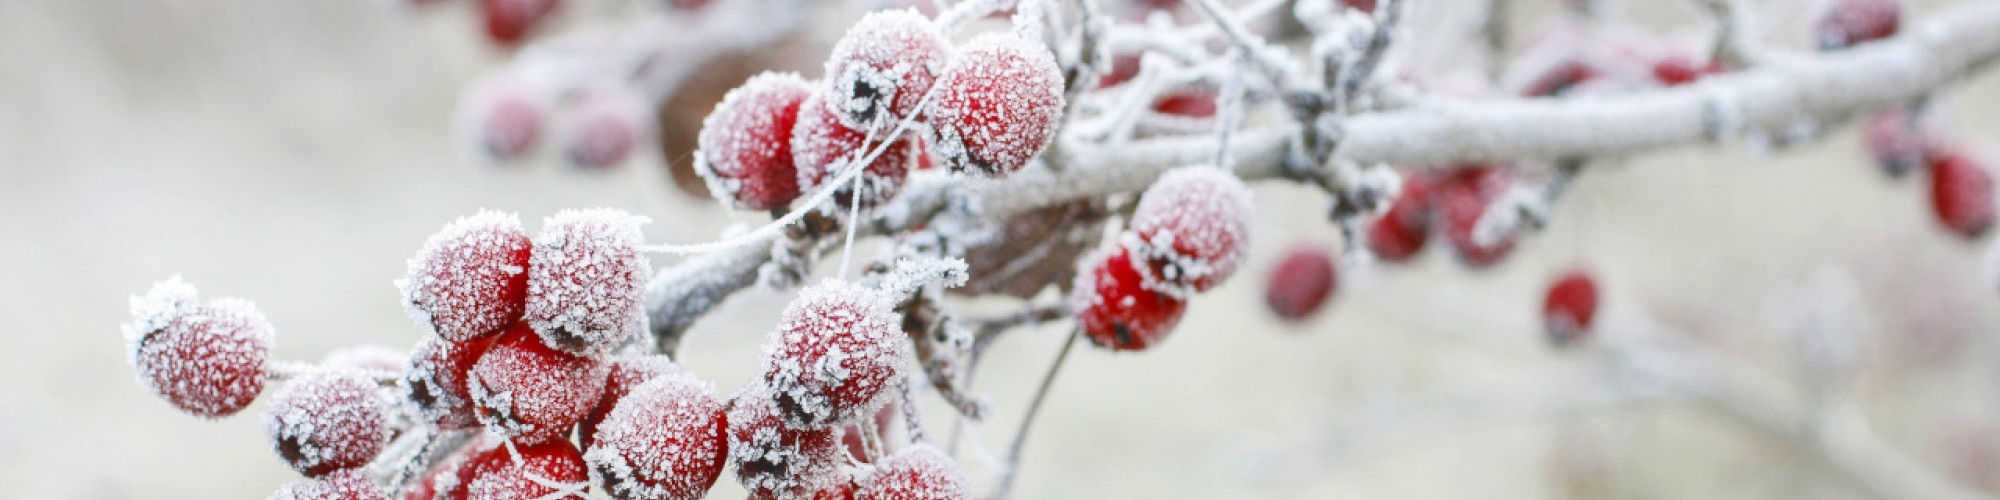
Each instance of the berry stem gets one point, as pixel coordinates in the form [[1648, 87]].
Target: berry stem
[[1034, 407]]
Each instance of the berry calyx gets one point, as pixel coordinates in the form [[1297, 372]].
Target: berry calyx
[[1961, 192], [998, 107], [1114, 307], [664, 441], [745, 145], [1301, 283], [326, 420], [470, 279], [1847, 23], [836, 348], [774, 459], [1569, 308], [525, 390], [919, 472], [1399, 233], [627, 372], [880, 70], [205, 359], [435, 382], [344, 484], [585, 280], [1191, 229], [822, 148]]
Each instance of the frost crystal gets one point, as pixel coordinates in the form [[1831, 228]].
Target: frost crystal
[[1115, 308], [745, 144], [435, 382], [664, 441], [627, 372], [586, 280], [206, 359], [525, 390], [886, 62], [918, 472], [1191, 229], [470, 279], [999, 105], [346, 484], [326, 420], [835, 350], [822, 148], [774, 459], [544, 471]]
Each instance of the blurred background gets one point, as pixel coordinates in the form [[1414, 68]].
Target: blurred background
[[295, 153]]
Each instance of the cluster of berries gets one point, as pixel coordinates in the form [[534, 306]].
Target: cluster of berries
[[1187, 235], [1451, 200], [504, 117], [895, 94]]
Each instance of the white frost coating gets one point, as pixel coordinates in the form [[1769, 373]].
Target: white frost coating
[[913, 272], [528, 391], [837, 348], [372, 359], [1191, 229], [999, 104], [467, 280], [165, 303], [663, 441], [744, 151], [821, 145], [773, 459], [585, 280], [206, 359], [346, 484], [919, 472], [326, 420], [877, 71]]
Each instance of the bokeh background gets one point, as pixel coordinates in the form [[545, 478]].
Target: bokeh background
[[295, 153]]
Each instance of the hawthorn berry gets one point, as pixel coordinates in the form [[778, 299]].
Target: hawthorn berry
[[880, 70], [1399, 233], [774, 459], [205, 359], [1569, 307], [998, 107], [1196, 102], [627, 371], [605, 127], [344, 484], [822, 148], [326, 420], [1190, 229], [1961, 192], [470, 279], [745, 145], [1124, 67], [837, 348], [529, 471], [502, 116], [525, 390], [1463, 196], [844, 488], [509, 21], [1115, 308], [663, 441], [435, 384], [451, 476], [1679, 69], [1846, 23], [585, 280], [918, 472], [1301, 282], [1897, 144]]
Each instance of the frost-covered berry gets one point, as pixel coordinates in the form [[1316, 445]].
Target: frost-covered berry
[[1961, 192], [774, 459], [1191, 229], [528, 391], [509, 21], [470, 279], [627, 371], [841, 489], [822, 149], [206, 359], [1115, 309], [502, 117], [879, 71], [745, 145], [1000, 101], [1897, 144], [435, 383], [1569, 307], [585, 280], [1849, 22], [918, 472], [837, 348], [605, 127], [450, 477], [1679, 69], [548, 470], [345, 484], [1399, 233], [1198, 102], [664, 441], [1463, 196], [326, 420], [1301, 282]]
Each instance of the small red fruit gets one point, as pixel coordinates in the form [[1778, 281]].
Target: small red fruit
[[1962, 192], [1570, 306], [585, 280], [435, 383], [206, 359], [1192, 103], [1849, 22], [326, 420], [509, 21], [879, 71], [746, 142], [1302, 282], [502, 116], [525, 390], [1678, 69], [999, 105], [774, 459], [837, 347], [664, 441], [520, 471], [822, 148], [345, 484], [605, 127], [918, 472], [627, 371], [1463, 196], [470, 279], [1114, 307], [1897, 144], [1191, 228], [1399, 233]]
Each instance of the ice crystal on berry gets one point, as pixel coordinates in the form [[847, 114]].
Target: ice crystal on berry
[[822, 148], [206, 359], [745, 143], [542, 471], [774, 459], [470, 280], [627, 372], [879, 71], [836, 349], [326, 420], [435, 382], [1001, 99], [526, 390], [585, 280], [1191, 229], [918, 472], [1114, 307], [663, 441], [346, 484]]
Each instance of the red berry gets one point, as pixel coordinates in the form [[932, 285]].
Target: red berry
[[449, 478], [326, 420], [1192, 103], [1463, 196], [470, 280], [880, 70], [844, 488], [1849, 22], [1560, 79], [435, 383], [605, 128], [746, 142], [1569, 307], [1302, 282], [1001, 101], [346, 484], [1114, 307], [206, 359], [627, 371], [508, 21], [822, 148], [502, 116], [586, 280], [836, 349], [1124, 67], [548, 470], [1678, 69], [774, 459], [1191, 229], [918, 472], [1962, 192], [1400, 232], [526, 390], [663, 441], [1897, 144]]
